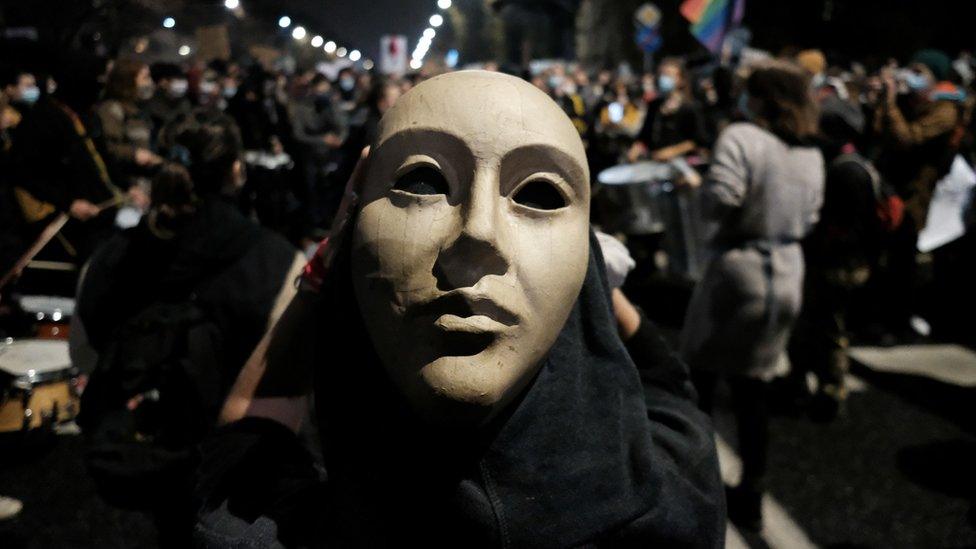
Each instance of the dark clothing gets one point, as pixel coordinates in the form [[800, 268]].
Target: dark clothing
[[312, 119], [163, 108], [54, 159], [361, 135], [600, 450], [840, 254], [664, 130], [235, 268], [51, 161], [260, 120], [223, 271]]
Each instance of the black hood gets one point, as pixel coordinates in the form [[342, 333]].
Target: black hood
[[588, 453]]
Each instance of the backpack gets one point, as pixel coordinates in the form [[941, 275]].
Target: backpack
[[168, 356], [890, 208]]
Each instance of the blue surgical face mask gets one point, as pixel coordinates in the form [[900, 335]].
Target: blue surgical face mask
[[229, 91], [347, 84], [31, 95], [917, 82], [665, 84]]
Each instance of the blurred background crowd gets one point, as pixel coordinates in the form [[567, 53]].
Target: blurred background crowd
[[264, 146]]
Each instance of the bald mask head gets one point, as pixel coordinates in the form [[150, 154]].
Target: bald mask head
[[471, 244]]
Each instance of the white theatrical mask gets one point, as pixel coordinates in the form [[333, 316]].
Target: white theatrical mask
[[471, 244]]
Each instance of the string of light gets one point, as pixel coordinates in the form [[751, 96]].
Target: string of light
[[298, 32], [427, 38]]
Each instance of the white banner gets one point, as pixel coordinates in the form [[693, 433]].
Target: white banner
[[393, 54]]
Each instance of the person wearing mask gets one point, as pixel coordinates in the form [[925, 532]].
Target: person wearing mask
[[346, 84], [255, 108], [674, 125], [20, 90], [57, 167], [362, 133], [170, 99], [919, 133], [167, 313], [319, 128], [763, 192], [127, 131]]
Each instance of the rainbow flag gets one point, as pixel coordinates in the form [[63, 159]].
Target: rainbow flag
[[711, 20]]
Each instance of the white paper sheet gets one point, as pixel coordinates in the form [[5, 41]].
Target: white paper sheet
[[945, 218]]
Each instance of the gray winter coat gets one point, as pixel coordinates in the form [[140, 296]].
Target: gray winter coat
[[763, 196]]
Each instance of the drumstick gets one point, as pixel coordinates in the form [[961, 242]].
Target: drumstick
[[115, 201], [47, 235]]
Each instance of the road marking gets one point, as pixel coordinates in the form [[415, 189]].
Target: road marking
[[779, 529], [951, 364]]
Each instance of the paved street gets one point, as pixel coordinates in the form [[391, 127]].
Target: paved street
[[896, 470]]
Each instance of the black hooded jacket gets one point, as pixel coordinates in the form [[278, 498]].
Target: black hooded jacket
[[596, 452]]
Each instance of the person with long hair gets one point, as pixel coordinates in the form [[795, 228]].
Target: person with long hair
[[763, 192], [127, 129]]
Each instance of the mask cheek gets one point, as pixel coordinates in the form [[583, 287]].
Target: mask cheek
[[551, 263], [398, 244]]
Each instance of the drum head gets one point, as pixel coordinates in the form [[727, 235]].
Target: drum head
[[48, 305], [633, 174], [34, 357]]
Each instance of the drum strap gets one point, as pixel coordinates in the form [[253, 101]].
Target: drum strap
[[96, 157]]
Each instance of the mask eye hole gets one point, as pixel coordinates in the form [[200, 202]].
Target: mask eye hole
[[424, 181], [540, 195]]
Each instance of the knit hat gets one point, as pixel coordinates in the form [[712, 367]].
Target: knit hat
[[812, 61], [936, 61]]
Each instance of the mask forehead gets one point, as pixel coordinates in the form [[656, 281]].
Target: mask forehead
[[491, 113]]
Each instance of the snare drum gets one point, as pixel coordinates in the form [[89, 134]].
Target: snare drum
[[38, 387], [630, 197], [51, 315]]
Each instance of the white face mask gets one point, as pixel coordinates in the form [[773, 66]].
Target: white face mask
[[471, 244], [178, 88]]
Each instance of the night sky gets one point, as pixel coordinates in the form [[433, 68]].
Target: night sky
[[358, 23]]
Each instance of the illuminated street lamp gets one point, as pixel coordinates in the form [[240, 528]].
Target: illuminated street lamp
[[232, 4], [444, 4], [429, 33], [415, 64], [169, 22], [317, 41], [355, 55], [298, 33], [341, 52], [284, 22], [330, 47], [436, 20], [184, 50]]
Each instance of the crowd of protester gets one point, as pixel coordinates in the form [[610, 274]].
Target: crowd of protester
[[235, 168]]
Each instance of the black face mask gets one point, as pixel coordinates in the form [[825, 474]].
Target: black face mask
[[323, 101]]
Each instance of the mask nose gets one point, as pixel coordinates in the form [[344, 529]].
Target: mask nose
[[476, 253]]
